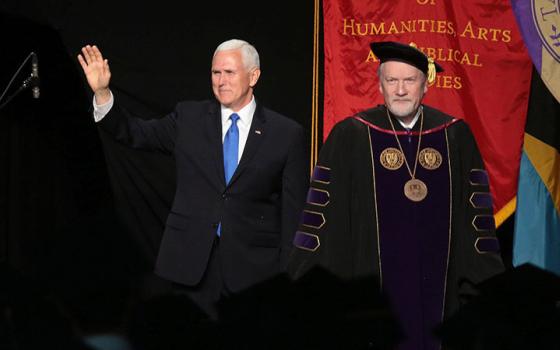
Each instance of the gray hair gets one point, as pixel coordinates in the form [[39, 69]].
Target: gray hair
[[249, 54]]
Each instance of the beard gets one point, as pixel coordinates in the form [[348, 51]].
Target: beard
[[402, 108]]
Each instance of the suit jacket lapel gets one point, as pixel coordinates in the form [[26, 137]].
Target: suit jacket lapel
[[257, 133]]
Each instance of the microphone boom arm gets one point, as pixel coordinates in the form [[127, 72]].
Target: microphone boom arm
[[30, 81]]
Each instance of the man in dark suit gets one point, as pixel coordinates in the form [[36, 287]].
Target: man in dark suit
[[241, 176]]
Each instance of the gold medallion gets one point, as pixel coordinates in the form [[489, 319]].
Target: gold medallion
[[415, 190], [429, 158], [391, 158]]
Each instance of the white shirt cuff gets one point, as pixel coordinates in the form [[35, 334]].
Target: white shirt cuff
[[100, 111]]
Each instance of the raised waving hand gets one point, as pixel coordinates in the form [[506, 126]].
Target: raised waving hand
[[97, 72]]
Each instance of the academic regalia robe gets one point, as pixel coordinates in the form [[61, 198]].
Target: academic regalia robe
[[429, 254]]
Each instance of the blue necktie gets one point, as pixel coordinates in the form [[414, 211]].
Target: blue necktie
[[231, 153], [231, 148]]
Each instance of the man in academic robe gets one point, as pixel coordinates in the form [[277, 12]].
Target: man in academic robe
[[400, 192]]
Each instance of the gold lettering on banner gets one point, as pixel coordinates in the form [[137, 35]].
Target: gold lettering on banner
[[486, 34], [376, 30], [452, 55], [469, 30], [423, 25], [426, 2], [371, 57], [348, 26], [448, 82], [393, 29], [351, 26]]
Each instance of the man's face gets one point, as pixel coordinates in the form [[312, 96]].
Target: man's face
[[232, 83], [403, 86]]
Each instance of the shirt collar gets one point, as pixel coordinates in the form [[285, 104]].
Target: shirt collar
[[410, 125], [245, 114]]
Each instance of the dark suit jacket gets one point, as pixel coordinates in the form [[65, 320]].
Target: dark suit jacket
[[259, 209]]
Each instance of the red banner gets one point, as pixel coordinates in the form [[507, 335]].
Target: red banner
[[486, 79]]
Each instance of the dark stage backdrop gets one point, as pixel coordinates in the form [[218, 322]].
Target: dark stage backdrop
[[72, 197], [72, 200]]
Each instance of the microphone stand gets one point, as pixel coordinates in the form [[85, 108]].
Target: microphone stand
[[30, 81]]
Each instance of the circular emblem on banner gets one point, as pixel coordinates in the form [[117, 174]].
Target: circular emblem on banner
[[546, 15], [429, 158], [391, 158]]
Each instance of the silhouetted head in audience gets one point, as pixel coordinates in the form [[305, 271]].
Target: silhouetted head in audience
[[318, 311], [517, 309]]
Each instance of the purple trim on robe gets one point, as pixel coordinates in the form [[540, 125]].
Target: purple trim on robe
[[317, 197], [321, 174], [487, 245], [478, 177], [414, 237], [306, 241], [315, 220], [481, 200], [484, 222]]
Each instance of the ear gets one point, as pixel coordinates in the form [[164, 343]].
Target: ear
[[425, 86], [254, 77]]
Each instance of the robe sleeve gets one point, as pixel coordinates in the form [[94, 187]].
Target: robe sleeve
[[475, 251], [336, 226]]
